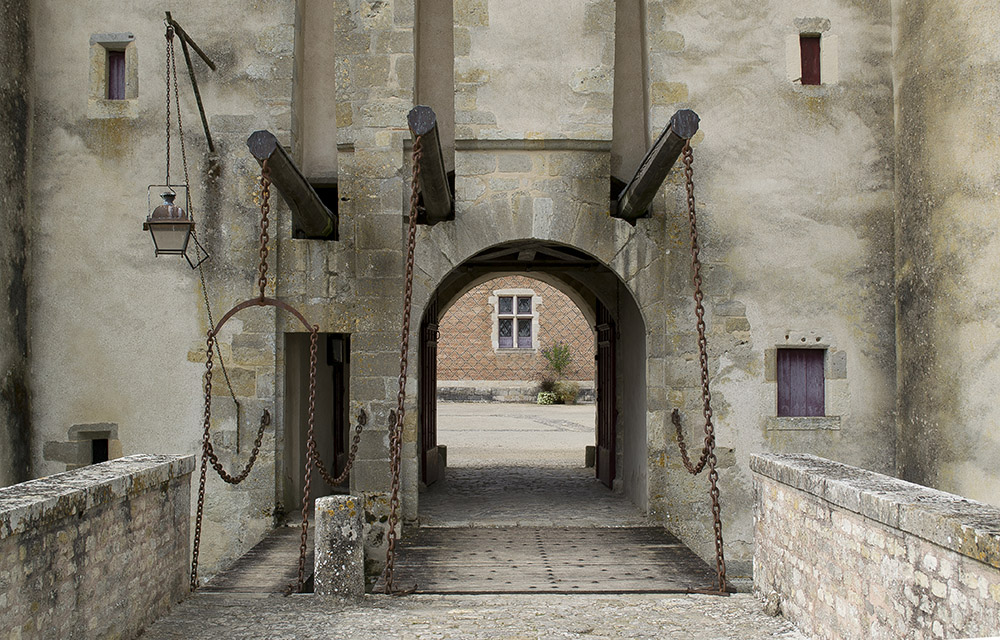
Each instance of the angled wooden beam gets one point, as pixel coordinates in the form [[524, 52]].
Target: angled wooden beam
[[634, 200], [308, 211], [435, 193], [185, 41]]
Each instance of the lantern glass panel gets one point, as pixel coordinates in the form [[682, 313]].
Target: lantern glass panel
[[170, 239]]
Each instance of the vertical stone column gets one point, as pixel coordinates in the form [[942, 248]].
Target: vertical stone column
[[374, 75], [15, 127], [945, 65]]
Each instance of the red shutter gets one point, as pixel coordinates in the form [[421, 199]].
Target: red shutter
[[116, 75], [809, 45], [801, 382]]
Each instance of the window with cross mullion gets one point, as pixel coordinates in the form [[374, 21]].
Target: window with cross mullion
[[514, 320]]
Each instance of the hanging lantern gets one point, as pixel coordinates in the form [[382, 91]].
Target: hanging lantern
[[170, 226]]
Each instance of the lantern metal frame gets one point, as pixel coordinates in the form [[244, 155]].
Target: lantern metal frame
[[187, 221]]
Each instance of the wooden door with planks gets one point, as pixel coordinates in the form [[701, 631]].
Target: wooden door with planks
[[607, 410], [427, 400]]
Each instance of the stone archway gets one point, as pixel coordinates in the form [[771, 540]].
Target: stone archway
[[609, 307]]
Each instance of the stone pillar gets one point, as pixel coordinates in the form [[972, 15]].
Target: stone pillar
[[340, 558], [15, 124], [945, 63]]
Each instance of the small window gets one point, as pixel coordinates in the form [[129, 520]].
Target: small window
[[809, 47], [514, 329], [98, 450], [116, 75], [801, 385]]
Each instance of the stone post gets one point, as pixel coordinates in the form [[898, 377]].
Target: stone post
[[339, 564]]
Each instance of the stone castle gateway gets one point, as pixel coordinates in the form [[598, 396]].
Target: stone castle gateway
[[851, 218]]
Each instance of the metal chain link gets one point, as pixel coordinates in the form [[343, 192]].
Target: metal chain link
[[396, 437], [170, 54], [310, 458], [355, 442], [208, 454], [265, 209], [708, 450]]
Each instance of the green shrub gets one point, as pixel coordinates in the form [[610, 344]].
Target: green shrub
[[566, 392], [547, 384], [559, 357]]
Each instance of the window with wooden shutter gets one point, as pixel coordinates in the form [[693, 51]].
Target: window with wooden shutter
[[809, 47], [801, 383], [116, 75]]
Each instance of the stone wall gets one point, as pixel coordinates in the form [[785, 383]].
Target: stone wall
[[796, 227], [118, 335], [15, 128], [855, 554], [795, 193], [465, 345], [948, 239], [99, 552]]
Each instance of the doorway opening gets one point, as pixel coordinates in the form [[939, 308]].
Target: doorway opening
[[331, 423]]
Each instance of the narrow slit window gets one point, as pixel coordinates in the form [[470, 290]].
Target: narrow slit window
[[116, 75], [801, 383], [809, 46]]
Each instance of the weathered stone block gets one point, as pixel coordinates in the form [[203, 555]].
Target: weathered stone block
[[339, 557]]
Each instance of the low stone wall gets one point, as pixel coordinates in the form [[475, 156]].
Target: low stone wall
[[522, 391], [854, 554], [98, 552]]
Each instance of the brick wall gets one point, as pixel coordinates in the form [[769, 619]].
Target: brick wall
[[99, 552], [465, 348], [855, 554]]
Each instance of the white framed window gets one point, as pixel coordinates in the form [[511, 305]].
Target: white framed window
[[515, 319]]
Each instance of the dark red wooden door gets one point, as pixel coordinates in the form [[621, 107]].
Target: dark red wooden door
[[800, 382], [607, 412], [429, 471], [338, 355]]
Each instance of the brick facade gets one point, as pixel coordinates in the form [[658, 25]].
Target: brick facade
[[466, 349]]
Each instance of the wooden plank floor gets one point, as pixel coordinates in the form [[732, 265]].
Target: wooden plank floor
[[547, 560], [269, 567]]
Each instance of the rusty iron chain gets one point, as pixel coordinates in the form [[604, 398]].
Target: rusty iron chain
[[170, 55], [328, 475], [208, 455], [396, 437], [265, 209], [708, 450], [265, 420], [311, 457]]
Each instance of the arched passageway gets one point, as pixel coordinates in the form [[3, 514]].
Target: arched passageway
[[617, 335]]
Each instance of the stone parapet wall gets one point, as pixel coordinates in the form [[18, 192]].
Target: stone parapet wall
[[98, 552], [856, 554]]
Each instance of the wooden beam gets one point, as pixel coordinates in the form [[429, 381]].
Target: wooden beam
[[437, 199], [308, 211], [634, 200]]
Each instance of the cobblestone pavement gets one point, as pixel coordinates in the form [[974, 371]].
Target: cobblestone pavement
[[590, 617], [515, 464], [501, 433], [526, 497]]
